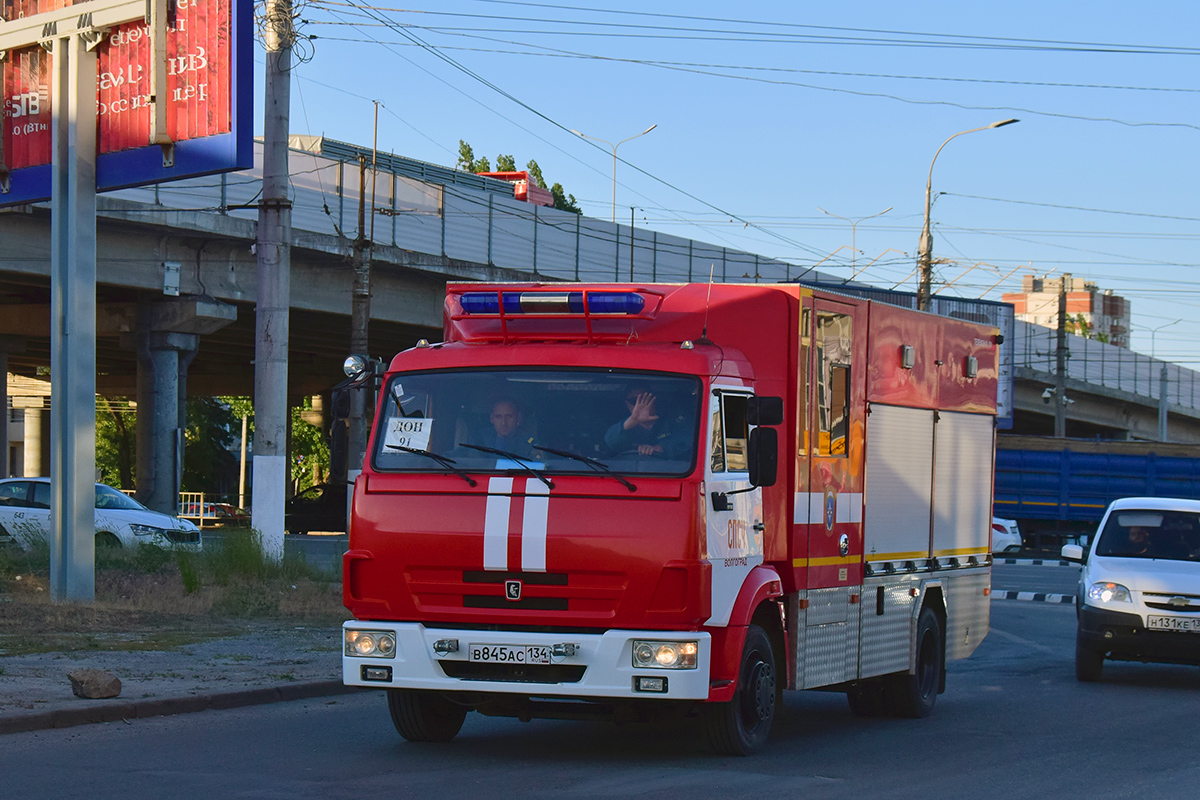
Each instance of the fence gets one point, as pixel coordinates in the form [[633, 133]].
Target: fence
[[1105, 365]]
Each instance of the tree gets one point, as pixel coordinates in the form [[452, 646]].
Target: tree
[[563, 201], [208, 463], [506, 163], [116, 441], [309, 450], [467, 161], [535, 173]]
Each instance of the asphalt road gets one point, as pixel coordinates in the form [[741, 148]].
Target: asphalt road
[[1014, 723]]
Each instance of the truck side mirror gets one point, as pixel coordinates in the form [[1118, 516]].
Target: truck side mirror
[[764, 456], [764, 410]]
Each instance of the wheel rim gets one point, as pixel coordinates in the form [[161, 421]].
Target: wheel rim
[[758, 697]]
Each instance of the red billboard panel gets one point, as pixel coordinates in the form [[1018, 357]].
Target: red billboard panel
[[198, 83], [209, 71]]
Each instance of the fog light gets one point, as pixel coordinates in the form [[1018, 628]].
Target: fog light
[[380, 674], [370, 644], [643, 683]]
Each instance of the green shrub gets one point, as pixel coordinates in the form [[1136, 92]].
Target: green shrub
[[189, 572]]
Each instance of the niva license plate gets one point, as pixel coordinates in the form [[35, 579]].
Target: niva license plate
[[1173, 624], [510, 653]]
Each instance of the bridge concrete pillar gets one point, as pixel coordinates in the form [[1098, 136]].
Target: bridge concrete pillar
[[37, 443], [161, 416], [8, 344], [167, 338]]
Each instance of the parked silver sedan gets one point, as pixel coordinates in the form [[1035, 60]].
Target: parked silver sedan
[[120, 520]]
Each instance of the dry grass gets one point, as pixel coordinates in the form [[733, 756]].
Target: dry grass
[[157, 600]]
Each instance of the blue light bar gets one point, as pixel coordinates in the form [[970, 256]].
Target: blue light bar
[[629, 303]]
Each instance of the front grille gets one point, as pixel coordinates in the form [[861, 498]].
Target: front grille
[[1192, 609], [513, 673], [182, 537], [594, 595], [1159, 601]]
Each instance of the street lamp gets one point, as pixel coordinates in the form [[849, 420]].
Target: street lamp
[[926, 244], [1156, 330], [614, 152], [853, 228]]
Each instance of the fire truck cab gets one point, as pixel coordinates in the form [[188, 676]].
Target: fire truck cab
[[632, 501]]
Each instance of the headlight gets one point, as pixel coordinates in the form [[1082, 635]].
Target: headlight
[[664, 655], [1109, 593], [370, 644], [145, 530]]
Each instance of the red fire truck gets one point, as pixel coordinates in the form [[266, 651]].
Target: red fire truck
[[627, 501]]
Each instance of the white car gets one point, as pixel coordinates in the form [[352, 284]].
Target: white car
[[1006, 536], [1139, 589], [120, 520]]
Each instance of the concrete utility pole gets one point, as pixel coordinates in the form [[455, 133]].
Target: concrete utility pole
[[1163, 404], [1060, 368], [360, 318], [274, 289], [925, 246]]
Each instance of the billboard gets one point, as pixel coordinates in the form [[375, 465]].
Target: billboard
[[209, 99]]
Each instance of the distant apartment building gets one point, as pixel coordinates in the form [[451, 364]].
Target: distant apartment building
[[1091, 312]]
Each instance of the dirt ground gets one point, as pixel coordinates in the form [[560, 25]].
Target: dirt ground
[[162, 641]]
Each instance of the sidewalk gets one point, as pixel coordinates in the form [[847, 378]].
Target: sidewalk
[[267, 663]]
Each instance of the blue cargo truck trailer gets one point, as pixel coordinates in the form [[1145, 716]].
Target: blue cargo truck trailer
[[1057, 489]]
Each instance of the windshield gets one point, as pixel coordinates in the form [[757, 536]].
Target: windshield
[[108, 497], [1173, 535], [633, 423]]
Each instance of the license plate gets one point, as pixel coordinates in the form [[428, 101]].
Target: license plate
[[1173, 624], [510, 653]]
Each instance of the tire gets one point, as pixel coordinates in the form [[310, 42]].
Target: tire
[[425, 716], [741, 726], [1089, 663], [868, 698], [914, 695]]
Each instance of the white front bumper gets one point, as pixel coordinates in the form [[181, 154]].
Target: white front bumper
[[606, 657]]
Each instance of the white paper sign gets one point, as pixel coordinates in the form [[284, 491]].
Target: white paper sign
[[408, 432]]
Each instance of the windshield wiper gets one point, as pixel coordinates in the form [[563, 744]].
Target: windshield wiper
[[448, 463], [513, 457], [598, 466]]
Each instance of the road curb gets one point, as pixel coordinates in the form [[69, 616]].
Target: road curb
[[1037, 597], [143, 709]]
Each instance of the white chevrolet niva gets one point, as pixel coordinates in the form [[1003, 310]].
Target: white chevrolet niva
[[1139, 589]]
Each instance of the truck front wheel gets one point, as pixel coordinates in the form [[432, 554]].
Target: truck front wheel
[[741, 726], [425, 716]]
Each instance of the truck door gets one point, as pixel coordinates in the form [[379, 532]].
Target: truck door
[[835, 442], [735, 516]]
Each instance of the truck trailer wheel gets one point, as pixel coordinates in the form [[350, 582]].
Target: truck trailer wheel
[[913, 695], [424, 716], [741, 726]]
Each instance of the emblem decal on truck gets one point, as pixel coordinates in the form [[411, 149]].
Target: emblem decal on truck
[[830, 508], [512, 590]]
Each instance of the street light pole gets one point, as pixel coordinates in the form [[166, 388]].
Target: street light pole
[[853, 228], [614, 155], [1156, 330], [925, 246]]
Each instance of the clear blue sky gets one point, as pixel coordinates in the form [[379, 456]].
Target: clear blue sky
[[768, 111]]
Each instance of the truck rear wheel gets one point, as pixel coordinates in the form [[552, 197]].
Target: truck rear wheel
[[741, 726], [1089, 664], [913, 695], [425, 716]]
